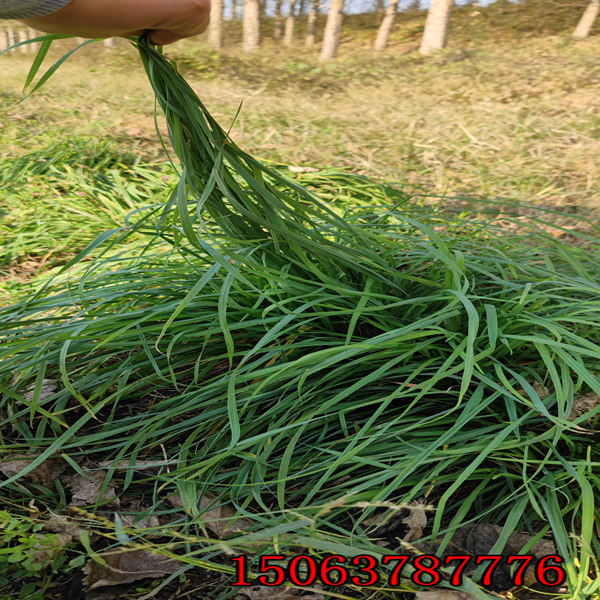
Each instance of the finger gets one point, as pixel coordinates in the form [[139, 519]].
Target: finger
[[162, 37]]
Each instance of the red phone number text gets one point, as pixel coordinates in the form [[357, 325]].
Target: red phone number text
[[335, 570]]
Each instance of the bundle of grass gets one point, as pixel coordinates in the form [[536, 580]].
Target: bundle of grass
[[305, 365]]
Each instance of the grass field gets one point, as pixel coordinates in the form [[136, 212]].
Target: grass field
[[427, 373], [482, 119]]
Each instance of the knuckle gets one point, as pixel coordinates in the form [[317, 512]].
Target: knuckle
[[200, 7]]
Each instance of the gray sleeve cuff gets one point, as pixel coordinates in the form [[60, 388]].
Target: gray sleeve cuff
[[24, 9]]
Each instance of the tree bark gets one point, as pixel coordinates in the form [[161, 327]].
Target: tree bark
[[333, 31], [3, 39], [32, 35], [301, 7], [23, 37], [587, 19], [312, 22], [277, 23], [435, 35], [386, 26], [251, 25], [288, 36], [215, 28], [10, 36]]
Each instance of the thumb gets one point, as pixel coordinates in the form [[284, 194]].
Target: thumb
[[162, 37]]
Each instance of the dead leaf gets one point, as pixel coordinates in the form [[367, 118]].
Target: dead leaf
[[61, 525], [583, 404], [222, 519], [43, 553], [260, 592], [542, 391], [132, 521], [298, 169], [379, 520], [48, 388], [479, 539], [416, 521], [86, 490], [175, 500], [44, 474], [443, 595], [138, 465], [126, 567], [337, 482], [516, 542], [390, 526]]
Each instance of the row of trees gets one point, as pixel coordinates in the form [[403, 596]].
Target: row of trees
[[284, 28], [435, 35], [436, 30], [12, 33]]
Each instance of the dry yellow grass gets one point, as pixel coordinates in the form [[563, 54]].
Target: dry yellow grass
[[501, 121]]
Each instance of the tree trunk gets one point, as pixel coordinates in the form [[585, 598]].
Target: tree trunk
[[312, 22], [23, 37], [587, 20], [215, 28], [3, 39], [386, 26], [237, 9], [277, 23], [251, 25], [435, 35], [380, 11], [301, 7], [10, 36], [288, 36], [333, 30], [32, 35]]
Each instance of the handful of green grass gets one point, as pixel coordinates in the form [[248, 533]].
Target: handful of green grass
[[274, 221], [313, 362]]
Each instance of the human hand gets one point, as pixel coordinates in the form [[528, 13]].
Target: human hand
[[169, 20]]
